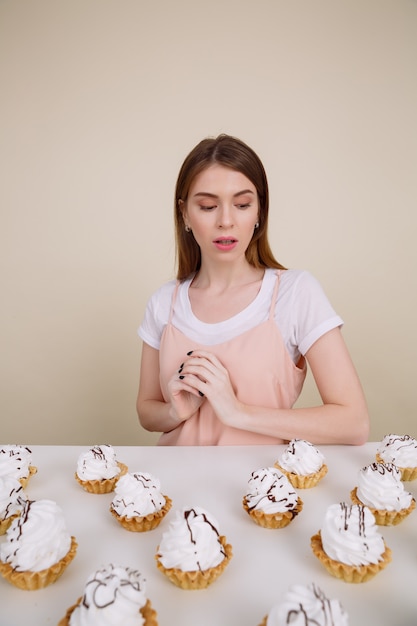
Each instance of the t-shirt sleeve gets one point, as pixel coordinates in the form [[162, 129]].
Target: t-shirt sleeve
[[312, 314], [156, 315]]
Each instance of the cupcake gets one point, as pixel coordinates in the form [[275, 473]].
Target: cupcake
[[271, 501], [12, 500], [302, 463], [38, 546], [112, 595], [402, 451], [98, 469], [380, 488], [192, 553], [349, 544], [16, 461], [139, 504], [306, 604]]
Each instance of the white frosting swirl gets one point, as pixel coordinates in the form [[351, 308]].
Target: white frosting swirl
[[270, 491], [301, 457], [399, 449], [15, 461], [137, 495], [98, 463], [380, 487], [349, 535], [113, 596], [37, 539], [192, 541], [12, 497], [307, 605]]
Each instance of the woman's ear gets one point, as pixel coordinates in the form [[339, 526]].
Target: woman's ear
[[182, 209]]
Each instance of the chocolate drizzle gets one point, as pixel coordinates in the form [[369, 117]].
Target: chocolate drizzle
[[15, 453], [98, 453], [108, 584], [272, 493], [291, 447], [326, 611], [405, 442], [382, 468], [14, 498], [408, 441], [347, 513], [187, 515], [19, 525], [191, 514]]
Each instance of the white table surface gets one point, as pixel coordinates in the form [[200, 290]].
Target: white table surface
[[265, 562]]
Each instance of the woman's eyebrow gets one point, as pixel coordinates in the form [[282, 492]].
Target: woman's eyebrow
[[207, 194]]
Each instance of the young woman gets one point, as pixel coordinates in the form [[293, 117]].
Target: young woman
[[226, 345]]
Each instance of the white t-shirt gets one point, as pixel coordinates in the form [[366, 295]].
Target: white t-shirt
[[302, 313]]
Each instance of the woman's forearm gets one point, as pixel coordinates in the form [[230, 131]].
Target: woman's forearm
[[326, 424], [156, 416]]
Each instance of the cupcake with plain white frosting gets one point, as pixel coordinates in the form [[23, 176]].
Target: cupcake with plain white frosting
[[112, 595], [380, 488], [38, 546], [271, 500], [306, 604], [192, 553], [349, 544], [98, 469], [12, 499], [400, 450], [138, 504], [16, 461], [302, 463]]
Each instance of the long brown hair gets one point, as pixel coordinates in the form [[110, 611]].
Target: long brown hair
[[230, 152]]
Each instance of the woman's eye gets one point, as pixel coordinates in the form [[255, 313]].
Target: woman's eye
[[206, 208], [243, 206]]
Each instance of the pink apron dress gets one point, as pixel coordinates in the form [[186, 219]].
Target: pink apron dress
[[261, 371]]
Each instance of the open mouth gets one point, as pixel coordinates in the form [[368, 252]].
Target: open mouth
[[225, 242]]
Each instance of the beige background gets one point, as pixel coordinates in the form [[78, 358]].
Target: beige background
[[100, 102]]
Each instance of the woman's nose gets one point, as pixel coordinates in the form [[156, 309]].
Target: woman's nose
[[225, 217]]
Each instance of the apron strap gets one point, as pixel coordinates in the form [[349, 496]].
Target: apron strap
[[174, 297], [274, 295]]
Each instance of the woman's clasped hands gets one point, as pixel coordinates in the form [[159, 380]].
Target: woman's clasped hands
[[202, 378]]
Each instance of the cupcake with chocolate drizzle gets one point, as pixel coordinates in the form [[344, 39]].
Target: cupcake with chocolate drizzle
[[192, 553], [349, 544], [98, 470], [380, 488], [271, 501], [16, 461], [38, 546], [402, 451], [138, 504], [112, 595], [302, 463], [306, 604]]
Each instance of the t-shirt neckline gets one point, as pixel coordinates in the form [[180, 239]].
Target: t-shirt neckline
[[235, 318]]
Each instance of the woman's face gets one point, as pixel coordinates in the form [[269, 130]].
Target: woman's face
[[222, 209]]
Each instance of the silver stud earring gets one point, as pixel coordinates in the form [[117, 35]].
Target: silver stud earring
[[256, 225], [187, 228]]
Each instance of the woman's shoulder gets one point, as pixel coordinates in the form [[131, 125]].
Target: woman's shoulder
[[160, 299], [293, 275], [292, 278], [164, 289], [300, 285]]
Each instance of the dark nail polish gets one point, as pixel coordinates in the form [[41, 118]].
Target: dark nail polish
[[189, 353], [180, 370], [181, 377], [201, 394]]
